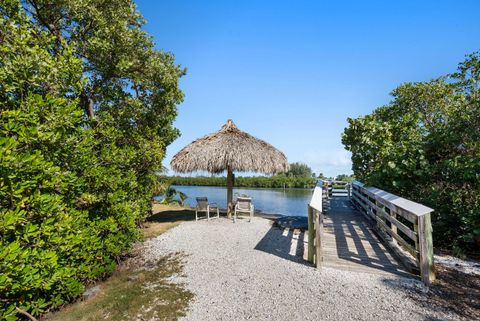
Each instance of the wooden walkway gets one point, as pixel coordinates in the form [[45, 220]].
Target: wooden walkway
[[350, 244]]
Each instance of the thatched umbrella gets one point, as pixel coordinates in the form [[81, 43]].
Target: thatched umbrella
[[232, 150]]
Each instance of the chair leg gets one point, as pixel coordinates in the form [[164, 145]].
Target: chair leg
[[218, 213], [208, 213], [196, 215], [234, 215]]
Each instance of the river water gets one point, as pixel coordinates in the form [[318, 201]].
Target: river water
[[290, 201]]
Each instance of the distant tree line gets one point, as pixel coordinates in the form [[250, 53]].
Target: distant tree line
[[345, 177], [425, 145], [277, 181], [299, 176]]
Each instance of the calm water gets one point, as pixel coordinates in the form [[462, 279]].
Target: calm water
[[290, 201]]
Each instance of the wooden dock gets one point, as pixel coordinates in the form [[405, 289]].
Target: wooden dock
[[350, 244], [367, 229]]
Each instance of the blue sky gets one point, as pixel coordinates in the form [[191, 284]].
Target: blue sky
[[291, 72]]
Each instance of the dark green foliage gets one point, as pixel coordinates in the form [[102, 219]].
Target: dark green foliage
[[425, 145], [300, 170], [78, 147], [345, 178], [277, 181], [169, 197]]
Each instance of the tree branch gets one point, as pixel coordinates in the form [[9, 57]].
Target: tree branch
[[87, 104], [25, 313], [52, 28]]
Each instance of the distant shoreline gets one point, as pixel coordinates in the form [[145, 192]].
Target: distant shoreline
[[277, 181]]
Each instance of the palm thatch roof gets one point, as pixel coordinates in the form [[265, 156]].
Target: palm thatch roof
[[230, 148]]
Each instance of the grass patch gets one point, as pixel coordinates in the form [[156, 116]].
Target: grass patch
[[147, 294], [163, 218], [153, 229]]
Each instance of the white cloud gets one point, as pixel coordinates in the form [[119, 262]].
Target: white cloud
[[330, 162]]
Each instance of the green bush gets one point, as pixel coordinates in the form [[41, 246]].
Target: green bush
[[74, 186], [425, 145]]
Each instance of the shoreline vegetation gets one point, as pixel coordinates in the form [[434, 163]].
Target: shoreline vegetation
[[278, 181]]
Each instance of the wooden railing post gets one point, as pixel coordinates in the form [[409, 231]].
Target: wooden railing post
[[394, 227], [318, 238], [311, 235], [315, 226], [425, 241], [400, 222]]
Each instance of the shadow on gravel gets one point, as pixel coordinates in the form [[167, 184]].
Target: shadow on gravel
[[453, 291], [288, 244], [172, 216]]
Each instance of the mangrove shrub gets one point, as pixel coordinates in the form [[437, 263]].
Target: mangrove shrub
[[425, 145], [86, 111]]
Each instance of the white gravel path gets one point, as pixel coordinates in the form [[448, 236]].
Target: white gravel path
[[240, 272]]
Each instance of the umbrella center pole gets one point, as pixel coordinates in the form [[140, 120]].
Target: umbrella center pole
[[230, 183]]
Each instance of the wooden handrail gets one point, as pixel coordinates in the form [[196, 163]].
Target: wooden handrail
[[405, 226]]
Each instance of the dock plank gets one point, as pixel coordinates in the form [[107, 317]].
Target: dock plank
[[350, 244]]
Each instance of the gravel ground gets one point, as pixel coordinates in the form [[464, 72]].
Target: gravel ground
[[244, 271], [465, 266]]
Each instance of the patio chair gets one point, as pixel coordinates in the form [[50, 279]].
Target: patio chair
[[243, 205], [204, 206]]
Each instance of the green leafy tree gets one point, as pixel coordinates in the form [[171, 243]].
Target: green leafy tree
[[299, 170], [86, 111], [321, 176], [424, 145]]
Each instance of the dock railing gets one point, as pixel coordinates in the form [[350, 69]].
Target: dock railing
[[338, 188], [315, 224], [403, 224]]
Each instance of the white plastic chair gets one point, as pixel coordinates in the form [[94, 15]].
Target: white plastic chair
[[243, 205], [204, 206]]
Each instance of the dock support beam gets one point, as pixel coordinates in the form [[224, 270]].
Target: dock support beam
[[315, 229], [311, 236], [315, 226], [427, 270]]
